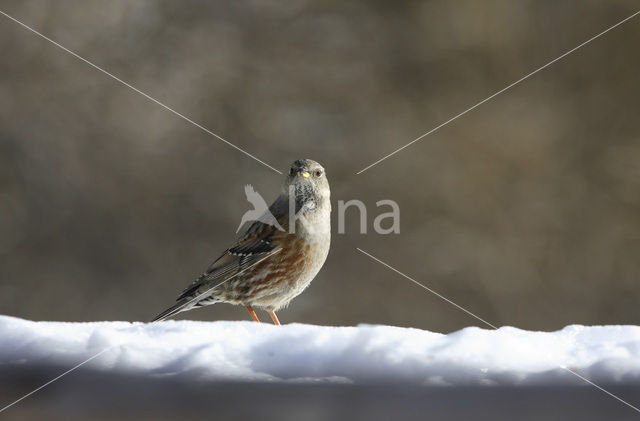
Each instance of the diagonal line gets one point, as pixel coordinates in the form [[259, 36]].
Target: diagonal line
[[59, 377], [113, 346], [174, 112], [599, 387], [139, 91], [498, 93], [425, 287], [492, 326]]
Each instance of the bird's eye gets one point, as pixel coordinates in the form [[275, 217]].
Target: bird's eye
[[318, 173]]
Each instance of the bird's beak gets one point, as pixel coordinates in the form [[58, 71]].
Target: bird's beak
[[304, 173]]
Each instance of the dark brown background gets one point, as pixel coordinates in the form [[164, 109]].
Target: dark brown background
[[525, 211]]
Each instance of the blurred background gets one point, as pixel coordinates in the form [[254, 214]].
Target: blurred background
[[526, 211]]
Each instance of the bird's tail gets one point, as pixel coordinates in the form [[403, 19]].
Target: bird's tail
[[181, 305]]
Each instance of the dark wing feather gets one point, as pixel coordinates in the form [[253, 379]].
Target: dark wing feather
[[258, 242]]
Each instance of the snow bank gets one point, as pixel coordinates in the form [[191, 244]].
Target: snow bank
[[295, 352]]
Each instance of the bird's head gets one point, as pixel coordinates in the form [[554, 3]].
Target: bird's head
[[307, 179]]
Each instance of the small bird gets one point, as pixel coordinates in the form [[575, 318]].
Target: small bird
[[271, 264]]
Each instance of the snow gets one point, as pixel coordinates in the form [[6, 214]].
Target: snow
[[248, 351]]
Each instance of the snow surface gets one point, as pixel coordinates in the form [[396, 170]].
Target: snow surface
[[249, 351]]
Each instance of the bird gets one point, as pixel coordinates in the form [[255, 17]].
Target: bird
[[259, 211], [269, 265]]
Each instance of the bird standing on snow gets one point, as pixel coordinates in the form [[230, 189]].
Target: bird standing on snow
[[270, 264]]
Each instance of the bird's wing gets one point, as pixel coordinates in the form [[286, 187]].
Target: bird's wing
[[257, 243]]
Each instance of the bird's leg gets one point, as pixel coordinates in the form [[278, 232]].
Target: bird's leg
[[274, 318], [253, 314]]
